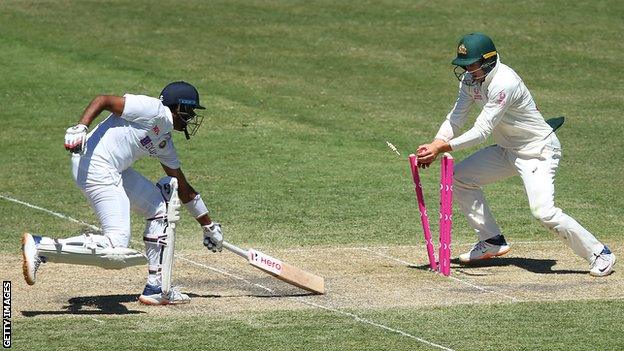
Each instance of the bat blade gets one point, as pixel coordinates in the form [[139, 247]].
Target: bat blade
[[286, 272]]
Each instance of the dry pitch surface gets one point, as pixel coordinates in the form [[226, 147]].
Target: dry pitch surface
[[356, 277]]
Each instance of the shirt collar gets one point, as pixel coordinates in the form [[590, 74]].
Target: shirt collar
[[490, 76]]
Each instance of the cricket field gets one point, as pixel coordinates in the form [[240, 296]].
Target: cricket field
[[292, 160]]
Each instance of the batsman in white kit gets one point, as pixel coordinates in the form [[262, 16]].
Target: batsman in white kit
[[101, 161], [526, 145]]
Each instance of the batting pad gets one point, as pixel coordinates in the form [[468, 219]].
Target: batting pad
[[107, 258]]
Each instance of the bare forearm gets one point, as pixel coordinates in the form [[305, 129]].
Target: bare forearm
[[114, 104], [442, 145], [186, 191]]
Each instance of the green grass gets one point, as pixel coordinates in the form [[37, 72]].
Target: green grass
[[520, 326], [301, 97]]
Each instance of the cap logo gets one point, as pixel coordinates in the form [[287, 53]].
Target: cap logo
[[461, 49], [187, 102]]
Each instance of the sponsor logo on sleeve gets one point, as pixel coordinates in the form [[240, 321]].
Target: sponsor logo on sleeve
[[149, 145], [500, 99]]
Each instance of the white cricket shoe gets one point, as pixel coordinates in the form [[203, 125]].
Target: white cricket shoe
[[153, 295], [30, 259], [485, 249], [602, 265]]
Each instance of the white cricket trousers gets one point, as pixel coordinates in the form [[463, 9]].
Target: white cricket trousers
[[112, 203], [494, 163]]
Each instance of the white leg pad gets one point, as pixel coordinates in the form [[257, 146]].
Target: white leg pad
[[93, 250]]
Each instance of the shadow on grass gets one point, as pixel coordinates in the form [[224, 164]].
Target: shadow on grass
[[99, 305], [534, 265], [303, 294]]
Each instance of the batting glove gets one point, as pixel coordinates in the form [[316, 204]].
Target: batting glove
[[213, 237], [75, 138]]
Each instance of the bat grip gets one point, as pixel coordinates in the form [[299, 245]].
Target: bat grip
[[235, 249]]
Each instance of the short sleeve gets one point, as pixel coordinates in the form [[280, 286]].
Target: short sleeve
[[141, 109], [168, 155]]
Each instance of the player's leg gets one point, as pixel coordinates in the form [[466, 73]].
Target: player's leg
[[147, 200], [538, 176], [109, 250], [485, 166]]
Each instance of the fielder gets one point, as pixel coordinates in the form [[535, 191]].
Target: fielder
[[101, 160], [525, 145]]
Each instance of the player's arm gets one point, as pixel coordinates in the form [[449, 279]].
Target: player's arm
[[111, 103], [455, 119], [193, 202], [76, 136]]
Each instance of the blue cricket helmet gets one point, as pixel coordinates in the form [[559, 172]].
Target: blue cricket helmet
[[180, 93]]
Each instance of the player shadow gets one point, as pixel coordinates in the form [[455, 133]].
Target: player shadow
[[534, 265], [99, 305]]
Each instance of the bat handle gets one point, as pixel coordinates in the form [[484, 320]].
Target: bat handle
[[235, 249]]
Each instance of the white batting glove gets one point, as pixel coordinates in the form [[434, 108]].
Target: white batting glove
[[213, 237], [75, 138]]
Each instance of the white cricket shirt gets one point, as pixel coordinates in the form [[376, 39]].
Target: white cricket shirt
[[509, 114], [143, 129]]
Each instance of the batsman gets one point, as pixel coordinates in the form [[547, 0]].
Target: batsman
[[101, 161], [526, 146]]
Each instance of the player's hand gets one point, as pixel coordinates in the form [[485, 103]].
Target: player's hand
[[213, 237], [426, 154], [75, 138]]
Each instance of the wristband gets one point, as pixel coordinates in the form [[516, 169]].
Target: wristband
[[197, 207]]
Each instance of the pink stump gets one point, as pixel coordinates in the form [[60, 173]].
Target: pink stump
[[424, 218], [446, 211]]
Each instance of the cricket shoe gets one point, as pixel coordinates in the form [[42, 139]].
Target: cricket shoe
[[30, 259], [153, 295], [602, 265], [493, 247]]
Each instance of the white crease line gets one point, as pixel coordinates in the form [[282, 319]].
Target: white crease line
[[451, 277], [56, 214], [381, 326], [220, 271], [303, 301], [356, 248], [354, 316]]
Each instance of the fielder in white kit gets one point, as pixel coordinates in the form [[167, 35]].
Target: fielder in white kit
[[138, 126], [525, 145]]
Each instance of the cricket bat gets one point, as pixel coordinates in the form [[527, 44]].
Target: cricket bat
[[281, 270]]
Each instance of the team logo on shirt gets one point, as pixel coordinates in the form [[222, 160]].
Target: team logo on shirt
[[477, 93], [162, 144]]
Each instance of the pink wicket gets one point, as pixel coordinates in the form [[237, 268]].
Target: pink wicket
[[446, 210], [424, 218]]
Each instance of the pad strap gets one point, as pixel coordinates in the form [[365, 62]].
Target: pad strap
[[197, 207]]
